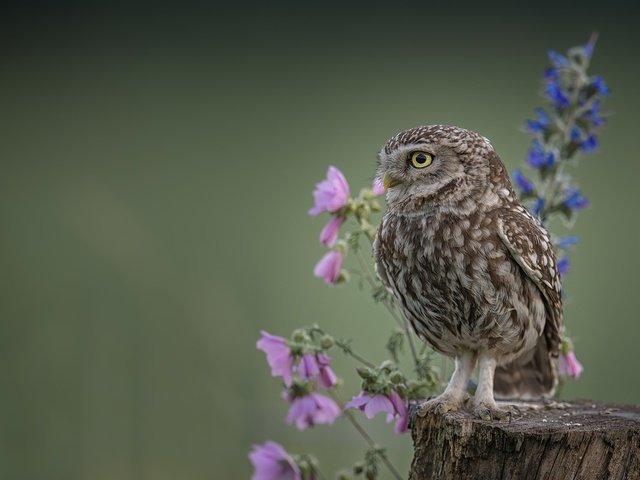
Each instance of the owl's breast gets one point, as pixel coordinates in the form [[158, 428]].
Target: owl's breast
[[454, 280]]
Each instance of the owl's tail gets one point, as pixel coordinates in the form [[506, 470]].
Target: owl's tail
[[531, 377]]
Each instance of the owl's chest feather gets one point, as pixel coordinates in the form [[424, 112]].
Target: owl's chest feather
[[441, 249], [449, 274]]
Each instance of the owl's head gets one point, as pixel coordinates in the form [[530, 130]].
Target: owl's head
[[438, 164]]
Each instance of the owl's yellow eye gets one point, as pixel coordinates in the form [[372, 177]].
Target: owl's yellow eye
[[421, 159]]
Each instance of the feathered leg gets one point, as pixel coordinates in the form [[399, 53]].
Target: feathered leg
[[454, 395]]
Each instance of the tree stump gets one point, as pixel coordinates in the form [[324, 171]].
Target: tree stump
[[577, 440]]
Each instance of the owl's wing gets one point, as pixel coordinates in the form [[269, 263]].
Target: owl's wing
[[530, 246]]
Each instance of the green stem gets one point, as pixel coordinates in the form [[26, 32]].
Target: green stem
[[367, 275], [363, 433], [363, 361]]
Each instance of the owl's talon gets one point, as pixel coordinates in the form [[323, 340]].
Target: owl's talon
[[439, 406], [488, 412]]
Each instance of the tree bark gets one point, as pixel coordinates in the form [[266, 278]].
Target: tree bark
[[577, 440]]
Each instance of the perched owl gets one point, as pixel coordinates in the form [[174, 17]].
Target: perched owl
[[471, 269]]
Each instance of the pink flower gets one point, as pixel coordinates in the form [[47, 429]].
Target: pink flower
[[272, 462], [279, 356], [378, 187], [311, 409], [327, 377], [328, 268], [308, 367], [332, 194], [402, 412], [393, 405], [569, 366], [329, 233]]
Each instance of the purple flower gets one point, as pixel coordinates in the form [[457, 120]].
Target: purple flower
[[593, 115], [600, 86], [329, 233], [523, 183], [308, 367], [556, 95], [402, 412], [537, 207], [377, 187], [279, 356], [327, 377], [331, 194], [329, 266], [590, 144], [566, 242], [574, 199], [311, 409], [558, 60], [551, 74], [569, 366], [272, 462], [317, 366], [576, 134], [563, 265], [393, 405], [540, 123], [538, 157]]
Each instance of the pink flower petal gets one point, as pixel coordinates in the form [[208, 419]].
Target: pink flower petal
[[402, 412], [329, 234], [278, 354], [311, 410], [359, 401], [332, 194], [377, 187], [329, 266], [378, 404], [328, 410], [327, 377], [569, 366], [308, 367], [272, 462]]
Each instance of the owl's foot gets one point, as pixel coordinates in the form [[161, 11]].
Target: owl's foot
[[491, 411], [441, 405]]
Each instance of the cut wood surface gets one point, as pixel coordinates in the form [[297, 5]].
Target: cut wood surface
[[574, 440]]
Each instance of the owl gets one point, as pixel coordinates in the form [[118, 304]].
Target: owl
[[471, 269]]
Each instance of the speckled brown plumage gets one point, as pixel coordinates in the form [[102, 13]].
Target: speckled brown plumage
[[472, 270]]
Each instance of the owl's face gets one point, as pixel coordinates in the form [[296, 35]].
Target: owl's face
[[434, 163]]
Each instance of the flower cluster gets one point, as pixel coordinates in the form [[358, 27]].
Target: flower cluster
[[304, 367], [332, 196], [384, 390], [567, 126]]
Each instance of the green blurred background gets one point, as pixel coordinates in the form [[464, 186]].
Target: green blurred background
[[157, 166]]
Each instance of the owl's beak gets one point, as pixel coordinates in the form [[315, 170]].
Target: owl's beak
[[388, 181]]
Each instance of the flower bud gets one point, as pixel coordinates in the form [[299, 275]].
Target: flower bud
[[358, 468], [396, 377], [387, 365], [326, 342], [300, 336], [343, 277], [401, 389], [365, 373]]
